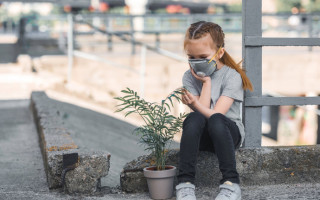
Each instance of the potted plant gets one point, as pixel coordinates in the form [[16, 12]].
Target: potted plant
[[156, 134]]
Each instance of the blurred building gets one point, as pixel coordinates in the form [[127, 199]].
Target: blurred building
[[185, 7]]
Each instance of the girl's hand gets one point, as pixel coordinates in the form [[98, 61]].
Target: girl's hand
[[188, 98], [202, 79]]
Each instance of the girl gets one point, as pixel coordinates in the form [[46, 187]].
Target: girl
[[215, 85]]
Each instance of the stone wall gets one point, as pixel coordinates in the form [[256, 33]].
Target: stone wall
[[55, 141]]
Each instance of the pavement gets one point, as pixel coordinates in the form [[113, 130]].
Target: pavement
[[22, 170], [22, 173]]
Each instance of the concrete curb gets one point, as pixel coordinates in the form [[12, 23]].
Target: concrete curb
[[256, 166], [55, 141]]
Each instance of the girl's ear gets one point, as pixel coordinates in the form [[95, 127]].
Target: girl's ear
[[221, 53]]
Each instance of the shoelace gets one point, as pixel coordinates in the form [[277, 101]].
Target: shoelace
[[226, 192], [186, 192]]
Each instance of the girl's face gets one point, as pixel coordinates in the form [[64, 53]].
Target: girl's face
[[203, 48]]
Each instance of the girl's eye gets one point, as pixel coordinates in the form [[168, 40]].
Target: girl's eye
[[191, 57], [203, 57]]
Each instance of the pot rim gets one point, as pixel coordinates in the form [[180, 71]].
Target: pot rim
[[159, 174], [171, 168]]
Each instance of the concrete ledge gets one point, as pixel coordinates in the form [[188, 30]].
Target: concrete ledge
[[55, 141], [256, 166], [85, 178]]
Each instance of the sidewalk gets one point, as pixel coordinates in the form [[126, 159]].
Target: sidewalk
[[22, 173]]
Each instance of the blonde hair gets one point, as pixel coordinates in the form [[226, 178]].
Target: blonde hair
[[202, 28]]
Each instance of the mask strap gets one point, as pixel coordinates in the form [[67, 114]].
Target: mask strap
[[215, 54]]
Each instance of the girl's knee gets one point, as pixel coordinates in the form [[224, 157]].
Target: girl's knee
[[193, 125], [216, 119], [216, 125], [194, 118], [216, 116]]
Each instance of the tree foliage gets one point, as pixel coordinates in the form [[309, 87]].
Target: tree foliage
[[287, 5]]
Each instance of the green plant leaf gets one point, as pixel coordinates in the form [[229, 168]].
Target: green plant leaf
[[170, 100], [127, 96], [128, 113], [125, 91]]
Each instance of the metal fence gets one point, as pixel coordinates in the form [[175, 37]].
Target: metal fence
[[157, 24], [252, 43], [121, 36]]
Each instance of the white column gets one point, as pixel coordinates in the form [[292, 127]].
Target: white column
[[137, 7], [70, 46]]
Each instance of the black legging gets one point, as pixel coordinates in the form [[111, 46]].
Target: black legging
[[217, 134]]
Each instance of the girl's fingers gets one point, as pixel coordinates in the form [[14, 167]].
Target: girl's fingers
[[186, 99], [183, 98], [188, 95], [185, 92], [194, 74]]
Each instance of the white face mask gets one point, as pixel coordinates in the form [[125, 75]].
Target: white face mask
[[204, 67]]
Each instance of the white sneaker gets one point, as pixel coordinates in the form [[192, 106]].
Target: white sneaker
[[185, 191], [229, 191]]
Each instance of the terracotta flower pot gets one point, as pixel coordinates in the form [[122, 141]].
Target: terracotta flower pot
[[160, 183]]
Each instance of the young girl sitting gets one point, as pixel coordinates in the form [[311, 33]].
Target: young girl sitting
[[214, 91]]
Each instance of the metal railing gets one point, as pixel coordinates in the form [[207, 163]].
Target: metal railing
[[121, 36], [252, 43], [158, 24]]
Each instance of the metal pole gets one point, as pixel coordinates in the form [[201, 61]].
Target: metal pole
[[251, 26], [109, 36], [132, 30], [318, 129], [142, 69], [61, 41], [70, 46], [157, 40], [309, 21]]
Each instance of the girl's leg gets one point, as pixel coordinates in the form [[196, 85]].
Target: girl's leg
[[193, 127], [225, 136]]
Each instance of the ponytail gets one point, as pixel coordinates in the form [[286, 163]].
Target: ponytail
[[228, 60]]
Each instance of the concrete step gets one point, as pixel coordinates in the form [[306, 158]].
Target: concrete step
[[256, 166]]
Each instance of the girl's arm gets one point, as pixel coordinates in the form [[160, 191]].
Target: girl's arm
[[205, 96], [222, 106]]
